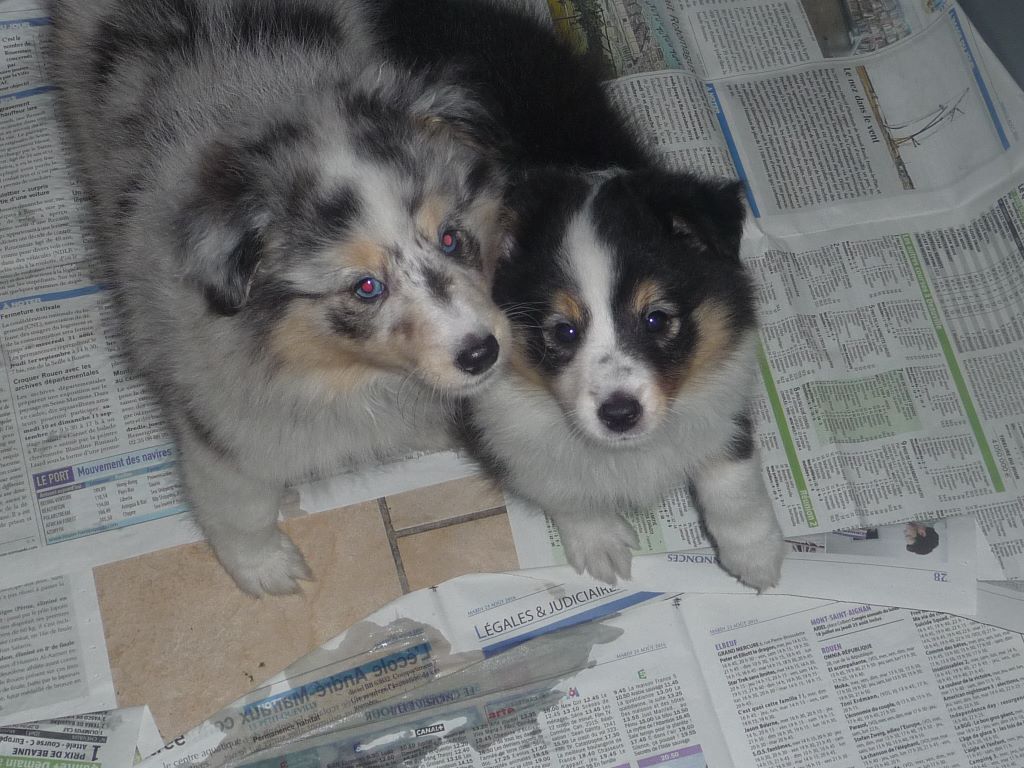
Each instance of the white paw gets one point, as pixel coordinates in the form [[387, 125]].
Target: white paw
[[755, 557], [268, 564], [601, 546]]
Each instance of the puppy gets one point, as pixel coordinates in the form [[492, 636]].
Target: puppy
[[632, 366], [299, 237], [634, 332]]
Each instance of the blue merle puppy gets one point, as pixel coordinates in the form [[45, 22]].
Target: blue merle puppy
[[300, 238]]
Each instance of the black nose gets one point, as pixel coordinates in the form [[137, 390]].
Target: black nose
[[620, 412], [477, 355]]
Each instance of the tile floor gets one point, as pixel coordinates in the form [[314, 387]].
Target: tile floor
[[184, 640]]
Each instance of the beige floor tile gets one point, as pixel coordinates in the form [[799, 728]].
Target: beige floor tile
[[479, 546], [443, 501], [184, 640]]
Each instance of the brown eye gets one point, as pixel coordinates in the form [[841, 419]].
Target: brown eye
[[567, 333], [656, 321]]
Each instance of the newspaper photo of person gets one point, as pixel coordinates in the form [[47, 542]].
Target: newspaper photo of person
[[902, 542]]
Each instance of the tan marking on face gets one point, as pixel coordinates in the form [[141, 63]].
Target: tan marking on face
[[431, 215], [403, 328], [646, 295], [715, 341], [304, 350], [415, 339], [366, 255], [307, 349], [491, 222], [567, 306]]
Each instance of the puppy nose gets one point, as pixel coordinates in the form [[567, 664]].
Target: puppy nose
[[620, 412], [478, 354]]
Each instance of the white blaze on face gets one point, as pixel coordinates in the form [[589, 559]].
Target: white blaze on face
[[602, 370]]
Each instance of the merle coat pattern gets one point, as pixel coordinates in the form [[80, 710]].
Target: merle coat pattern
[[299, 236]]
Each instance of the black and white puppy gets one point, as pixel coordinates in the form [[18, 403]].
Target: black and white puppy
[[634, 331], [633, 361]]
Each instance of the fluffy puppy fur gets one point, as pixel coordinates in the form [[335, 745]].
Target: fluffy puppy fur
[[632, 367], [634, 331], [299, 238]]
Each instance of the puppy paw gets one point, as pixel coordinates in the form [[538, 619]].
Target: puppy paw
[[272, 565], [601, 546], [756, 560]]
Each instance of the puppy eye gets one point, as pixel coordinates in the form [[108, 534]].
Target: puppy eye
[[368, 288], [567, 333], [656, 321], [451, 241]]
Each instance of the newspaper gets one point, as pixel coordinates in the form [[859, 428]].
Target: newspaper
[[885, 184], [53, 658], [487, 671], [110, 738], [82, 448]]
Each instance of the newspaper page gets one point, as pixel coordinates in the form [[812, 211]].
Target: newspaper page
[[53, 657], [86, 466], [846, 137], [912, 406], [865, 564], [1001, 604], [82, 448], [824, 108], [595, 676], [807, 683], [108, 739]]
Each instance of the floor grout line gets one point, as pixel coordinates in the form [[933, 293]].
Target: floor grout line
[[457, 520], [396, 555]]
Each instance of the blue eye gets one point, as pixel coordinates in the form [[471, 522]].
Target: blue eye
[[451, 241], [567, 333], [369, 288], [656, 321]]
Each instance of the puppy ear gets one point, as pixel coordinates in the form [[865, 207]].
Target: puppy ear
[[538, 200], [221, 231], [690, 206], [446, 106], [433, 100]]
